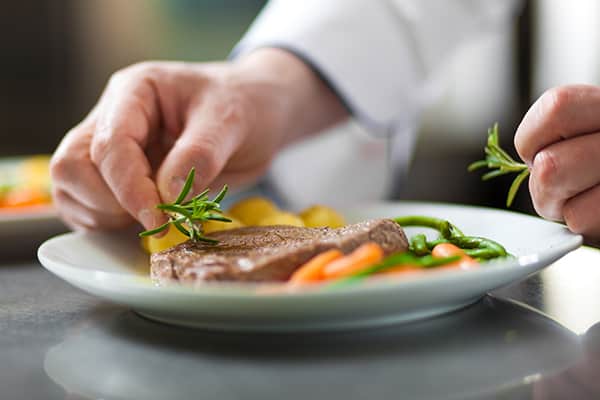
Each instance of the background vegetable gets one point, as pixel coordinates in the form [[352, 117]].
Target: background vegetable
[[252, 210], [25, 182], [215, 226], [281, 218], [318, 216]]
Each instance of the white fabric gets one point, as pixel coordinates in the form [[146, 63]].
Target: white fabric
[[383, 57]]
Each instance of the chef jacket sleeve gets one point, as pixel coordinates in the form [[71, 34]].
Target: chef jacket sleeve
[[377, 55]]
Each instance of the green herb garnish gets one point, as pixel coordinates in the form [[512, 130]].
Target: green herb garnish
[[187, 217], [500, 163]]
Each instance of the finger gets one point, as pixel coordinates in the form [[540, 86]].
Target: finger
[[117, 148], [559, 114], [210, 137], [83, 217], [545, 206], [582, 214], [72, 171], [562, 170]]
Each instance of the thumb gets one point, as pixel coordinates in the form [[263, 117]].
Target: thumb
[[205, 144]]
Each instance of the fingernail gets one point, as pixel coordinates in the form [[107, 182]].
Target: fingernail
[[146, 217], [529, 164]]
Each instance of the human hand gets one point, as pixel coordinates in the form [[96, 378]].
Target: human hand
[[559, 139], [155, 121]]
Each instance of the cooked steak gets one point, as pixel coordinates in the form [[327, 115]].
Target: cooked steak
[[267, 253]]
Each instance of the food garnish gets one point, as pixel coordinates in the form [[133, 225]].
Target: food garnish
[[500, 163], [187, 216]]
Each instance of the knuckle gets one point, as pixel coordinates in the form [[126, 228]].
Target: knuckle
[[135, 72], [555, 100], [58, 197], [60, 167], [204, 153], [117, 77], [554, 107], [100, 147], [146, 68], [234, 111], [237, 104]]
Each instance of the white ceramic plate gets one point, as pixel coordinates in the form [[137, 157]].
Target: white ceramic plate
[[115, 268]]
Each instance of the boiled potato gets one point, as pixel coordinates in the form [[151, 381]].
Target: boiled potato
[[253, 209], [214, 226], [152, 244], [281, 218], [319, 216]]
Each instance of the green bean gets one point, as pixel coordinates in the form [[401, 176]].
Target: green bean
[[444, 227], [477, 247], [481, 254], [418, 245], [474, 242]]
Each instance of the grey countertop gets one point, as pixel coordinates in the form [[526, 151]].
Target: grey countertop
[[537, 339]]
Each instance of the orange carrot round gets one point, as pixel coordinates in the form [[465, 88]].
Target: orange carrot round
[[448, 250], [364, 256], [312, 271]]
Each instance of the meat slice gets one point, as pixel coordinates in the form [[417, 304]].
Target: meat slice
[[267, 253]]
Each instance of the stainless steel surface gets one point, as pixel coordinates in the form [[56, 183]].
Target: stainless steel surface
[[57, 342]]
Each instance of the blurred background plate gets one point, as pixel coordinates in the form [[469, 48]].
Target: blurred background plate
[[22, 231], [27, 216]]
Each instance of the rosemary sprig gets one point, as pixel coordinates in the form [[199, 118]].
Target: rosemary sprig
[[187, 217], [500, 163]]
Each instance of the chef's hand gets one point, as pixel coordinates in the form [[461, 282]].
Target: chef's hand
[[157, 120], [559, 138]]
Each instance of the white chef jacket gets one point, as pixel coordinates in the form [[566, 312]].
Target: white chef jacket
[[385, 60]]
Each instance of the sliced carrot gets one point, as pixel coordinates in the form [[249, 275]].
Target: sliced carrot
[[448, 250], [364, 256], [312, 271]]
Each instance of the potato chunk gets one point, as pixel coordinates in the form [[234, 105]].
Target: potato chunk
[[320, 216]]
